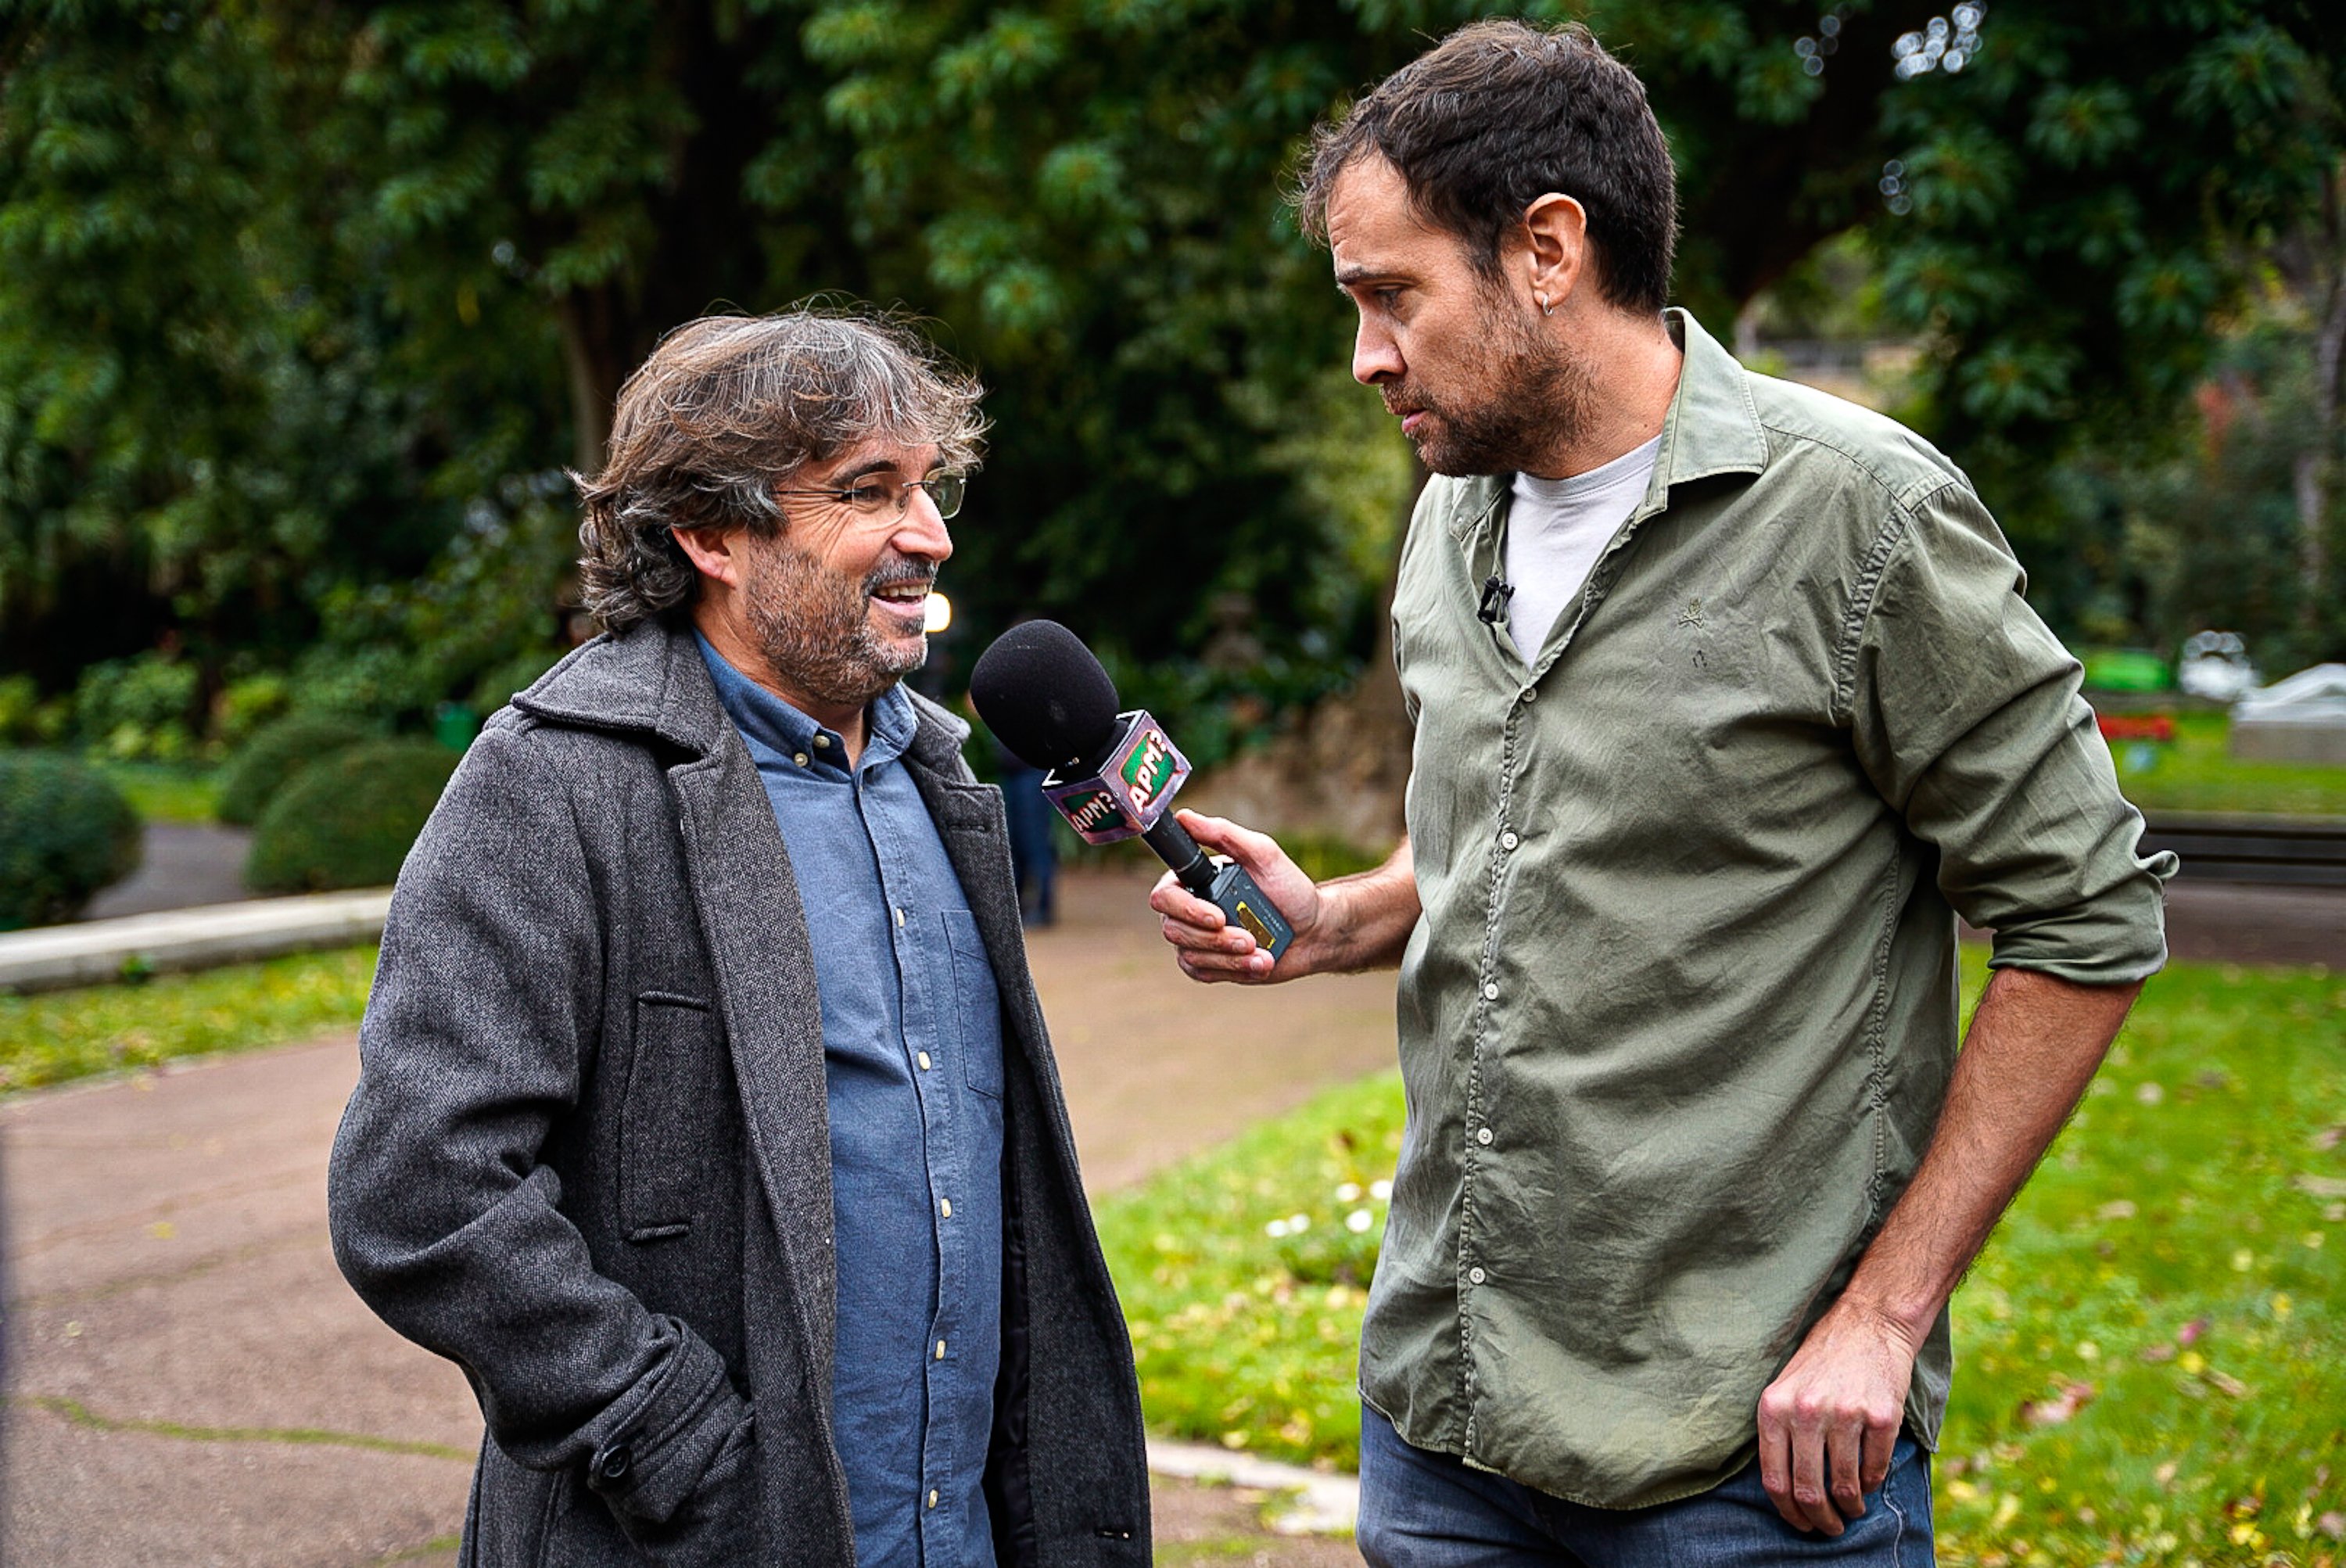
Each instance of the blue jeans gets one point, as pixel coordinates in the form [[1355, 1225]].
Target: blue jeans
[[1421, 1510]]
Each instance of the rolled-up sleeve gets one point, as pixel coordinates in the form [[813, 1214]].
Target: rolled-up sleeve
[[1965, 712]]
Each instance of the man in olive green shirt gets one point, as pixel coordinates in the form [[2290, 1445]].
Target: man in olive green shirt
[[1693, 1165]]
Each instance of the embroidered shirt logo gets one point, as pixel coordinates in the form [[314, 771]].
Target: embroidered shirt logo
[[1691, 616]]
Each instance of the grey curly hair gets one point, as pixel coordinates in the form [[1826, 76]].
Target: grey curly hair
[[726, 408]]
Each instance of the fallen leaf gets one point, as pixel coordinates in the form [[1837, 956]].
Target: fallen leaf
[[2157, 1353], [2226, 1383], [2061, 1406]]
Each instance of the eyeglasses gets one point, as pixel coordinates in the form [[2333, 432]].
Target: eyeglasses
[[881, 497]]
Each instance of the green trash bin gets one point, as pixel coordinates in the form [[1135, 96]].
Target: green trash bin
[[454, 725]]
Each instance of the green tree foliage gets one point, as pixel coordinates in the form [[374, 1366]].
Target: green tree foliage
[[301, 309]]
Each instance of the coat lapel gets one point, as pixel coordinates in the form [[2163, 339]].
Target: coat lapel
[[755, 929]]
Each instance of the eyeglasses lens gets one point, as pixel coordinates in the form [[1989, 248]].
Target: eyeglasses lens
[[946, 490]]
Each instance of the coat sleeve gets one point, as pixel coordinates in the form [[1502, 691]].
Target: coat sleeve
[[1965, 712], [485, 1014]]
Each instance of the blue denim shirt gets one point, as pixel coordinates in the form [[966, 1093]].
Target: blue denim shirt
[[912, 1037]]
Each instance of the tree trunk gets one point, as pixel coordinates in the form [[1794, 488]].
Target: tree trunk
[[593, 379]]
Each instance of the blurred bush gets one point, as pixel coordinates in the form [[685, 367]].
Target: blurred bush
[[66, 831], [137, 707], [20, 707], [277, 752], [518, 673], [348, 821], [245, 704]]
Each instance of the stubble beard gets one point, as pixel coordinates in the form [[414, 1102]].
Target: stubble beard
[[1539, 394], [814, 626]]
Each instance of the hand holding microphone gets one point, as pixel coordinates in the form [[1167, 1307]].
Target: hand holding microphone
[[1113, 776]]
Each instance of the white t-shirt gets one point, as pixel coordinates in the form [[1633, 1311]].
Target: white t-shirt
[[1556, 530]]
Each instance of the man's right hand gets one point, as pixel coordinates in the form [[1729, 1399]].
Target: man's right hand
[[1352, 922], [1210, 951]]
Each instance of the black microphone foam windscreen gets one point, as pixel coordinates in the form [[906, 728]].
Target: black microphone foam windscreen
[[1044, 696]]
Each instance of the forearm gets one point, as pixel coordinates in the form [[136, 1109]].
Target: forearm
[[2035, 1043], [1369, 916]]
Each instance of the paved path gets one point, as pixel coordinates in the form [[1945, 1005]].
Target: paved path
[[195, 1385], [183, 864]]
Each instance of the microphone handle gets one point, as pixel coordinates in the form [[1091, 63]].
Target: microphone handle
[[1224, 884], [1177, 849]]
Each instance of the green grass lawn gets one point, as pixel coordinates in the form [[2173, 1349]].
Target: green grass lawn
[[64, 1034], [166, 791], [2151, 1355], [2197, 773]]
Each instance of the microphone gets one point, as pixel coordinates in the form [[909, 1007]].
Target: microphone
[[1496, 592], [1112, 774]]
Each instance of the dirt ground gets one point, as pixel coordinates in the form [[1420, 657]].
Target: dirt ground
[[192, 1383]]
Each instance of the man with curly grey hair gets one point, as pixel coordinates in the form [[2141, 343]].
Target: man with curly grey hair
[[705, 1116]]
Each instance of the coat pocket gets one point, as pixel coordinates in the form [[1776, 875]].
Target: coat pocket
[[668, 1125]]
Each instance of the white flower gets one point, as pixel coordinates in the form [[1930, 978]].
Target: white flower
[[1358, 1220], [1275, 1229], [1381, 1189], [1349, 1193], [1297, 1224]]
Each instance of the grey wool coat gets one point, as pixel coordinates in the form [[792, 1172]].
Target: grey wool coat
[[587, 1157]]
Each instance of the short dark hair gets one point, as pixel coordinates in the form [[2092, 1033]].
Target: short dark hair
[[1499, 114], [729, 406]]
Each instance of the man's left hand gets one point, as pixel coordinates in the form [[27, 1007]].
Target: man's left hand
[[1829, 1420]]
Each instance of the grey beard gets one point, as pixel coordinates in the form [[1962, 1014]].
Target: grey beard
[[816, 632]]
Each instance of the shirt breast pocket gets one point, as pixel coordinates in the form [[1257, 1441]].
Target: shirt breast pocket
[[974, 1004]]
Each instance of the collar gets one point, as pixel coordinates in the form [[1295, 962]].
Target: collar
[[650, 680], [768, 720], [1712, 428]]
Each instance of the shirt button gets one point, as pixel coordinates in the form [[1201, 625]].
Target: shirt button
[[944, 1206], [941, 1349], [1474, 1276], [933, 1497], [900, 920], [1489, 991], [799, 757], [1530, 693], [1507, 841], [823, 742], [924, 1061], [1482, 1136]]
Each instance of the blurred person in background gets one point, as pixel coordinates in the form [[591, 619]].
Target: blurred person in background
[[705, 1116], [1726, 700]]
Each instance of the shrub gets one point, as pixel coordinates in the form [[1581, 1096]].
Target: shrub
[[20, 701], [137, 708], [66, 831], [278, 751], [348, 821], [246, 705]]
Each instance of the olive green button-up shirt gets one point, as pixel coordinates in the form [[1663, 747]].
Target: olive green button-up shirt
[[1681, 1012]]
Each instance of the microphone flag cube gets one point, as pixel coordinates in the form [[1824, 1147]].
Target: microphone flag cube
[[1131, 789]]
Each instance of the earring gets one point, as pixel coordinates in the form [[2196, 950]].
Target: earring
[[1545, 308]]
